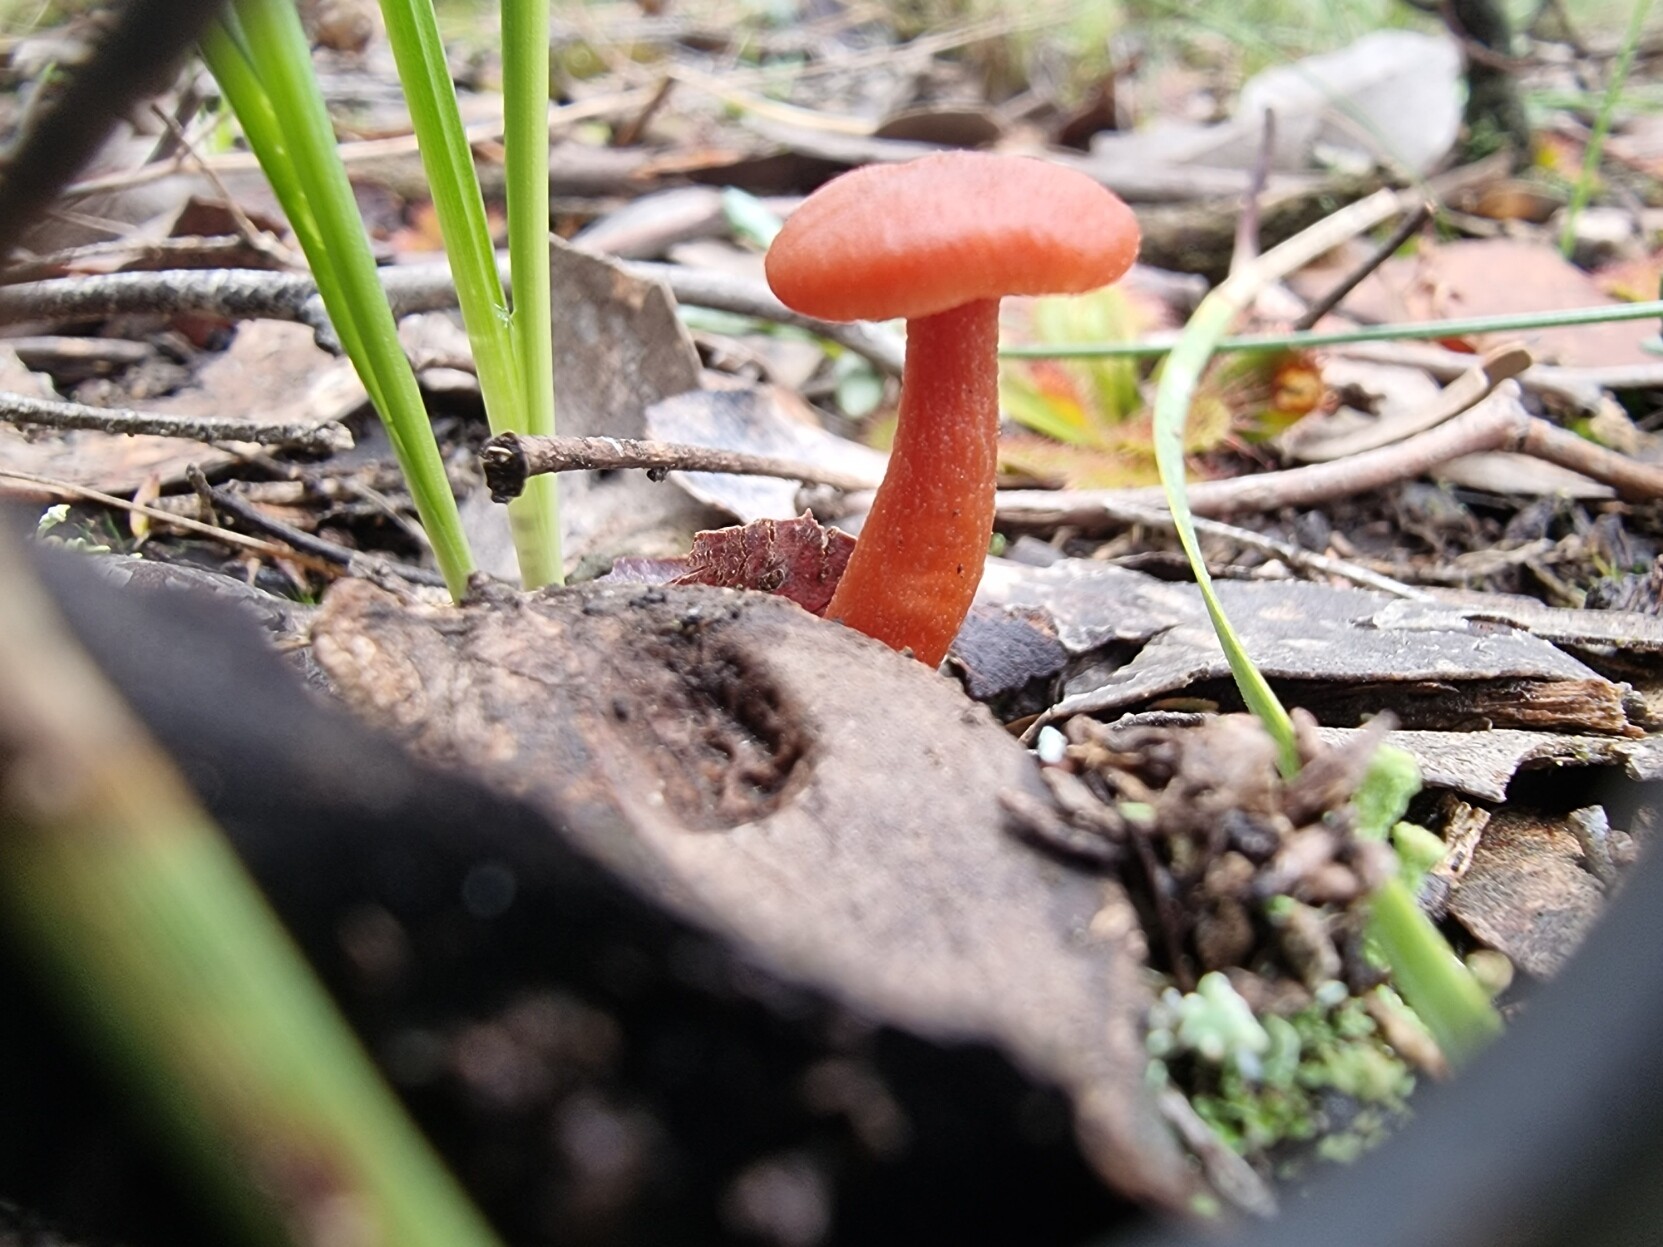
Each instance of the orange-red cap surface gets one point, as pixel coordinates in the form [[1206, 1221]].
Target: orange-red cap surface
[[919, 238]]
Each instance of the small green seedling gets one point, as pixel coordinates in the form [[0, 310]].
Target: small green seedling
[[1432, 980]]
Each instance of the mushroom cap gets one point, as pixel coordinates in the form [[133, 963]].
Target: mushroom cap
[[919, 238]]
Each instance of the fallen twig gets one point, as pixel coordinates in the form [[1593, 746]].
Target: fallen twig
[[240, 294], [321, 439], [510, 459], [355, 561], [1496, 427], [1407, 228], [234, 294], [1296, 556], [67, 489]]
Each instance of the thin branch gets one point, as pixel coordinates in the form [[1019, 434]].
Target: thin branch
[[355, 562], [232, 294], [1496, 427], [1634, 481], [510, 459], [1246, 248], [1296, 556], [240, 294], [67, 489], [259, 240], [322, 439], [1407, 229]]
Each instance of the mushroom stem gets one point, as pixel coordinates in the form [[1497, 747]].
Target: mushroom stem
[[919, 558]]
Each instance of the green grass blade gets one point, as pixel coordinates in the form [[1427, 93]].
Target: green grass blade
[[1513, 323], [280, 58], [129, 901], [1178, 384], [1441, 991], [413, 31], [525, 89]]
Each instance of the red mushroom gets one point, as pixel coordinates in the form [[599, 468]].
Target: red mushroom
[[939, 241]]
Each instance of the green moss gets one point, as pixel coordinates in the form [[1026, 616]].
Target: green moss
[[1321, 1082]]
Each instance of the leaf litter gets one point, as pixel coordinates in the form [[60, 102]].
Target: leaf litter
[[751, 834]]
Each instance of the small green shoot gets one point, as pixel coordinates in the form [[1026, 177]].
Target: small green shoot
[[1434, 983], [1440, 989], [525, 88]]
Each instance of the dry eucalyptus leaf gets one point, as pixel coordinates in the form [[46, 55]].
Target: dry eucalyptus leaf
[[817, 798], [1393, 97], [618, 349]]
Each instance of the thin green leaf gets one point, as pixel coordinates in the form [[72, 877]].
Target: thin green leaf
[[413, 32], [525, 87], [145, 921], [1584, 187]]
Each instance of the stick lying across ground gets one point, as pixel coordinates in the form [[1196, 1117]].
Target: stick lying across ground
[[321, 439], [1499, 427], [238, 294], [509, 459]]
